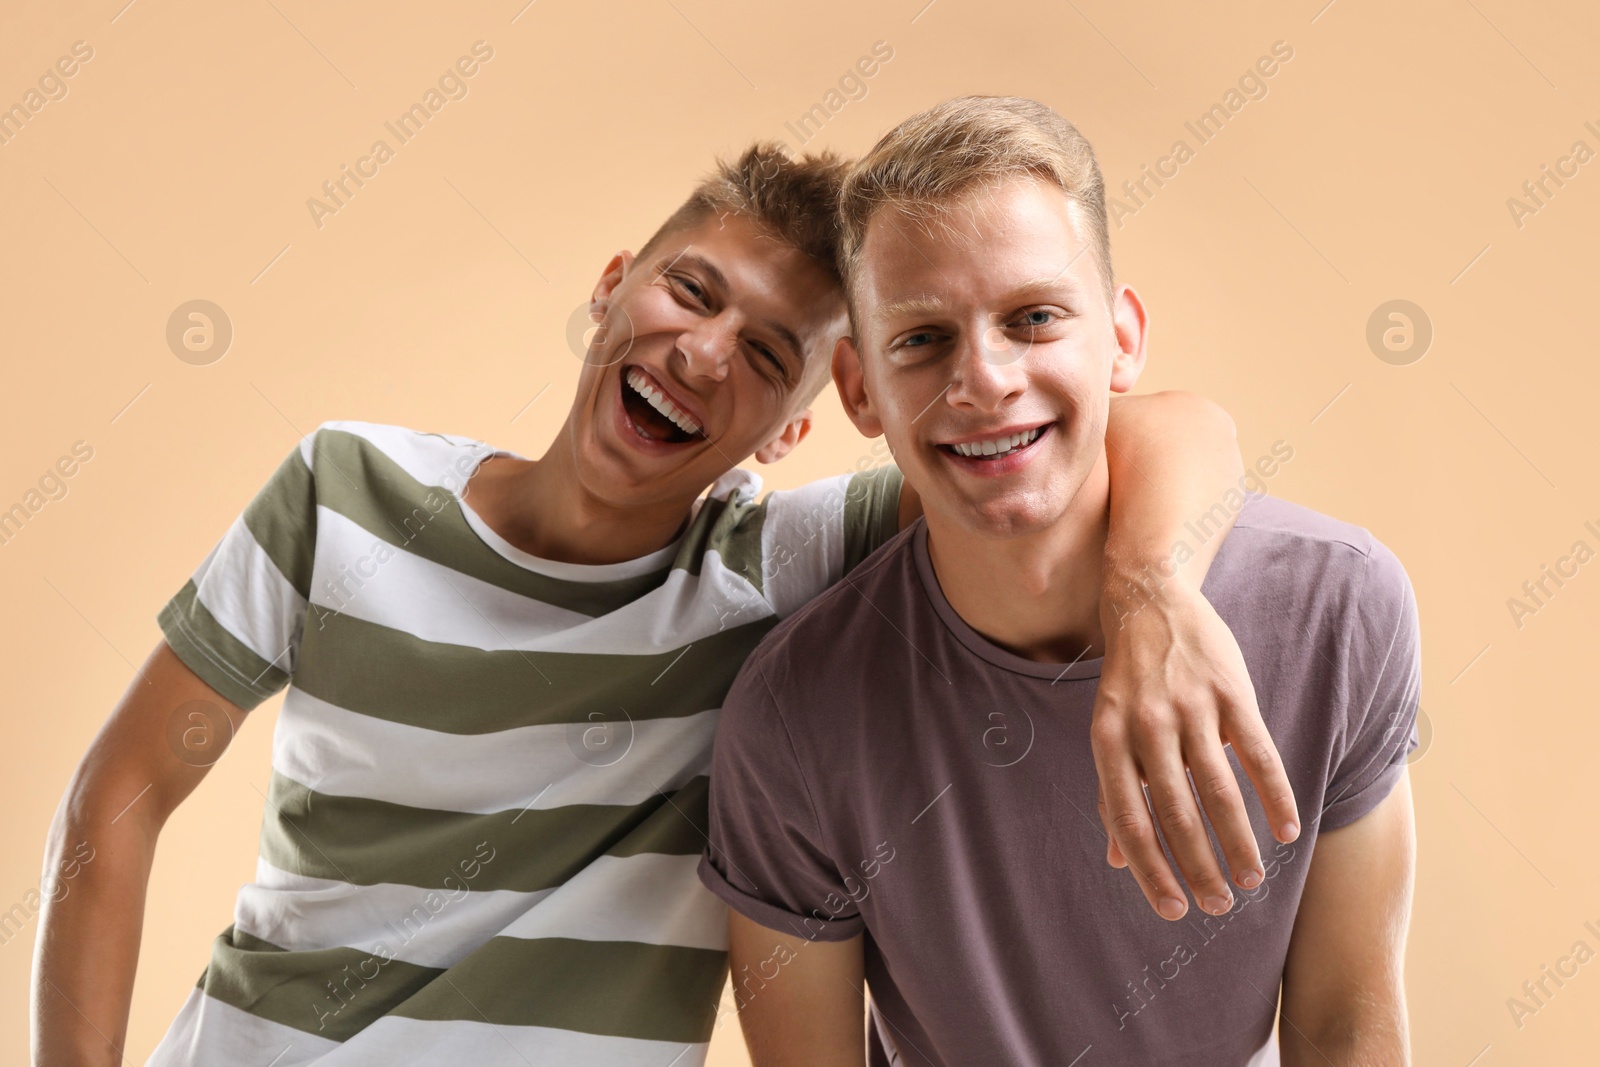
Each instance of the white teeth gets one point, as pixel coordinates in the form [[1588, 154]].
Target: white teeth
[[640, 383], [998, 445]]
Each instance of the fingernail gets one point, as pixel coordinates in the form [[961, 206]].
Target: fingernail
[[1250, 879], [1217, 905], [1289, 831], [1172, 908]]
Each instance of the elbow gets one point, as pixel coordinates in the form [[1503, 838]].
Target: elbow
[[1195, 417], [1201, 412]]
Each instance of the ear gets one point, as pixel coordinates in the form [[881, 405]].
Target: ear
[[1131, 325], [610, 278], [851, 382], [793, 432]]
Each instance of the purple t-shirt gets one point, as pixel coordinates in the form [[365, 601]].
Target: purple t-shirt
[[881, 768]]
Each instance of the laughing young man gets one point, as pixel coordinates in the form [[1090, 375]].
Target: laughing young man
[[867, 823], [488, 788]]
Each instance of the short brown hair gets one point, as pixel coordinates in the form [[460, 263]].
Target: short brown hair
[[956, 147], [794, 199]]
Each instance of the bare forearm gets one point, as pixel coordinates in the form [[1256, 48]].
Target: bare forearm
[[1344, 999], [810, 1011], [1173, 457], [1367, 1036], [98, 866]]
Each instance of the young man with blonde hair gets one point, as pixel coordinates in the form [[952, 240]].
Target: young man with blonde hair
[[488, 788], [863, 824]]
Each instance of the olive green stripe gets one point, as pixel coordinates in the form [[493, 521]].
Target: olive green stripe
[[615, 988], [221, 660], [871, 513], [733, 531], [292, 988], [366, 486], [283, 519], [713, 513], [376, 670], [368, 842]]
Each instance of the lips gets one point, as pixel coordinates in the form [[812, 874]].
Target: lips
[[996, 452], [998, 446], [640, 381], [650, 415]]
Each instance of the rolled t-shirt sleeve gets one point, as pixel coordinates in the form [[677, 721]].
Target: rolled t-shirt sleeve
[[237, 622], [765, 858], [1383, 680]]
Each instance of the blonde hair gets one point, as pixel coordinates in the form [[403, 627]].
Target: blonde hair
[[958, 147]]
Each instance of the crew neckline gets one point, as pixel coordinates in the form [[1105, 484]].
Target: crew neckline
[[975, 642], [577, 572]]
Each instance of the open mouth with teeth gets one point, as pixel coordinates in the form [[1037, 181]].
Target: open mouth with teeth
[[653, 415], [996, 448]]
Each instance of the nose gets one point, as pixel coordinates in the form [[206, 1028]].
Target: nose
[[707, 348], [988, 372]]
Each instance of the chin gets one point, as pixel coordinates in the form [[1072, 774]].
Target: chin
[[1009, 515]]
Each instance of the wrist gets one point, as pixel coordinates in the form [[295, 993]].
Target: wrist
[[1131, 578]]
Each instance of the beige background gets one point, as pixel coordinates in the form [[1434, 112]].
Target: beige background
[[1378, 167]]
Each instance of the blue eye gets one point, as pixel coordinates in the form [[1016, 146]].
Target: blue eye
[[1044, 320], [911, 341]]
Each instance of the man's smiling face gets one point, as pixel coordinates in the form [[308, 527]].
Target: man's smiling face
[[706, 355], [990, 354]]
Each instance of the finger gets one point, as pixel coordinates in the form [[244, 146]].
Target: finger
[[1178, 815], [1134, 833], [1258, 756], [1223, 803], [1114, 856]]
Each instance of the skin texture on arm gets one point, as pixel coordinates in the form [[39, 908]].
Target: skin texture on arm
[[1175, 689], [810, 1013], [126, 786], [1343, 983]]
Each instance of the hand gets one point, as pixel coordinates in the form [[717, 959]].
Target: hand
[[1174, 690]]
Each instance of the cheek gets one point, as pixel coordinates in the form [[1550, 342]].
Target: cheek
[[755, 404]]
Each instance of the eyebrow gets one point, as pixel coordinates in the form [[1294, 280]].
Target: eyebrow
[[932, 303], [720, 280]]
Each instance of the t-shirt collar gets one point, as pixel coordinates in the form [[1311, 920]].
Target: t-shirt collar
[[975, 642]]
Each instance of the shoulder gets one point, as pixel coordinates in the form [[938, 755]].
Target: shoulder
[[792, 544], [1338, 572], [1300, 528], [842, 625], [351, 452]]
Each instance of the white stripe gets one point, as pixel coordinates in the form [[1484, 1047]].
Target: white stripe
[[356, 574], [247, 594], [650, 898], [206, 1031], [620, 761], [802, 542], [395, 1040], [360, 574], [430, 928]]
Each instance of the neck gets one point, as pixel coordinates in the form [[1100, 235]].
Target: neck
[[542, 507], [1037, 595]]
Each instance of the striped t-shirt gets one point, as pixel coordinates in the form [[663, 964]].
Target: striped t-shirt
[[488, 791]]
